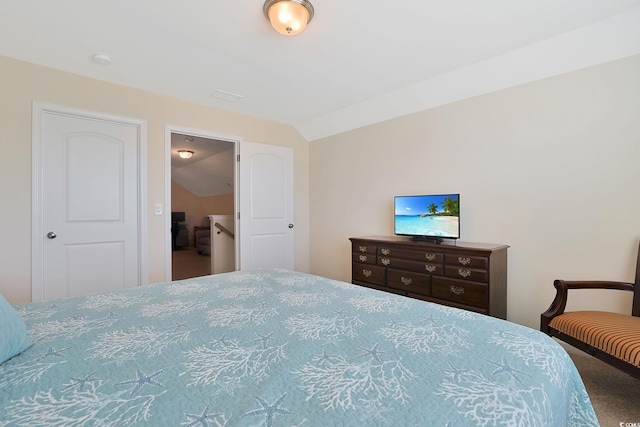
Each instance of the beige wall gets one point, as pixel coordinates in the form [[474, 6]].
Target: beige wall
[[183, 200], [549, 168], [23, 83], [217, 205], [196, 208]]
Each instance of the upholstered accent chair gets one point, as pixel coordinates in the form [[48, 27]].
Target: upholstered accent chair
[[203, 242], [611, 337]]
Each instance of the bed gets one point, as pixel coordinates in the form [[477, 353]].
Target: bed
[[281, 348]]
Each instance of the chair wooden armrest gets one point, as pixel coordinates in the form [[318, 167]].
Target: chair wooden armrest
[[559, 303]]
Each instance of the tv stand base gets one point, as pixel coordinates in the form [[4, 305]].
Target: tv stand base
[[436, 240]]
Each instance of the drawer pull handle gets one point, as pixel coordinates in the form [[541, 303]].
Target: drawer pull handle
[[363, 258], [430, 268], [430, 257], [366, 273], [464, 260], [464, 273], [385, 261], [362, 248], [406, 280], [458, 290], [385, 251]]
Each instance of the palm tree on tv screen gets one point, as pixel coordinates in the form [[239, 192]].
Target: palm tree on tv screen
[[451, 206], [433, 208]]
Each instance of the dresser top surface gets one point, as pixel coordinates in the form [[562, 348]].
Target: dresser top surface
[[446, 243]]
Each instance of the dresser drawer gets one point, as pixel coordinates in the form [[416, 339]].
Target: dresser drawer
[[460, 292], [467, 261], [470, 276], [368, 273], [418, 267], [466, 273], [410, 282], [364, 258], [426, 256], [363, 248]]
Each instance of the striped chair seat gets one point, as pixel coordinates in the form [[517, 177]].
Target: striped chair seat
[[613, 333]]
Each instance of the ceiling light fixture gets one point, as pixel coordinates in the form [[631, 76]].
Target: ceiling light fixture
[[185, 154], [288, 17]]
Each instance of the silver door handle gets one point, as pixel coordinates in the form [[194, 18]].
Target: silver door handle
[[51, 235], [290, 225]]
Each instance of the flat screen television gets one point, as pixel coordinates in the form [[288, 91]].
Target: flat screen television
[[430, 217], [177, 216]]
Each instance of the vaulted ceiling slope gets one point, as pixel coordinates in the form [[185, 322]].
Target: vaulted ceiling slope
[[358, 62], [210, 170]]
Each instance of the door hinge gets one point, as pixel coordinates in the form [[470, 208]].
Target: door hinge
[[238, 215], [238, 158]]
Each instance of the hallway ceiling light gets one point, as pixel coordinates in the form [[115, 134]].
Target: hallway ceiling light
[[288, 17], [185, 154]]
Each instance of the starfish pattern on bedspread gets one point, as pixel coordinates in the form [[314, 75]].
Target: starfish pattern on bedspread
[[279, 348], [141, 380], [269, 410], [82, 382], [202, 419]]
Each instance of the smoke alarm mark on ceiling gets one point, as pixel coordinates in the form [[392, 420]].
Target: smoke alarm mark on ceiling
[[102, 58]]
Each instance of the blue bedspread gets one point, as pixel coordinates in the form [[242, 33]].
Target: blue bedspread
[[278, 348]]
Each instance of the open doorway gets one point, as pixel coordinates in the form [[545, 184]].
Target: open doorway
[[202, 185]]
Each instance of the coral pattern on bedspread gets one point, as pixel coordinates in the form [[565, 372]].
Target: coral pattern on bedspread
[[279, 348]]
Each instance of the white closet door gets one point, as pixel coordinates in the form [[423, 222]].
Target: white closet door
[[90, 205], [266, 206]]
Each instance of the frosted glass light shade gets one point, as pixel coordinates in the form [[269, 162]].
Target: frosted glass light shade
[[185, 154], [288, 17]]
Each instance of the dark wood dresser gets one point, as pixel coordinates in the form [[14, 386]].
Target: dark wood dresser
[[472, 276]]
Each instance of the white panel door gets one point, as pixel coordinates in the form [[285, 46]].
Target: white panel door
[[90, 205], [266, 206]]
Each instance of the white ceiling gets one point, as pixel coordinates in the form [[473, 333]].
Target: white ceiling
[[210, 172], [358, 61]]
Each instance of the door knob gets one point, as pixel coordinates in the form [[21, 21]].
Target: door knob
[[51, 235], [290, 225]]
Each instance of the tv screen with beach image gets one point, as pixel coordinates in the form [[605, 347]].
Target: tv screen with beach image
[[428, 215]]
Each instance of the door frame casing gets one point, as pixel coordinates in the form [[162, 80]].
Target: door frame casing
[[37, 204], [169, 129]]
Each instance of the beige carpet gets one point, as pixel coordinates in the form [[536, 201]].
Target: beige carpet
[[186, 263], [615, 395]]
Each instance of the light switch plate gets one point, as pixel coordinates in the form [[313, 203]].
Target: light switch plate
[[158, 209]]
